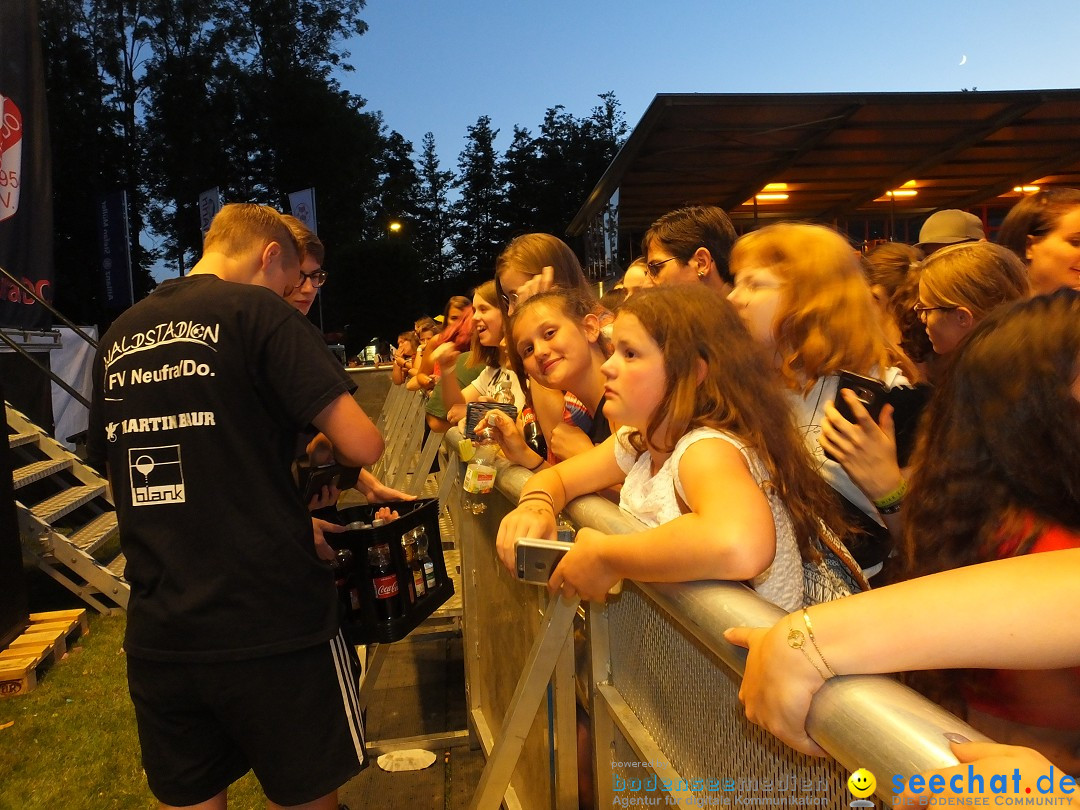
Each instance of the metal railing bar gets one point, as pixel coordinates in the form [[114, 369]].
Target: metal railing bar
[[48, 371], [50, 308]]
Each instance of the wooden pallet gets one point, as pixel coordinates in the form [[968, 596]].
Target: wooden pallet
[[44, 643]]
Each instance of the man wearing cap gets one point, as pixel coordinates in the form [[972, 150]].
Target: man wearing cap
[[949, 227]]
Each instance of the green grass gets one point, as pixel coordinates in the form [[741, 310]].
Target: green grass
[[72, 742]]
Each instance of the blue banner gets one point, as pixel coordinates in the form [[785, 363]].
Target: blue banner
[[114, 244]]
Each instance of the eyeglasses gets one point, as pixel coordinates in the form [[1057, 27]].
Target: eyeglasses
[[510, 300], [920, 310], [654, 267], [316, 277]]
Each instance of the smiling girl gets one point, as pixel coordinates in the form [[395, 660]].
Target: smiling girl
[[488, 350], [708, 457], [555, 339]]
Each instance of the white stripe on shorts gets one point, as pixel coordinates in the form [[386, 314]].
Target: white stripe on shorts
[[349, 696]]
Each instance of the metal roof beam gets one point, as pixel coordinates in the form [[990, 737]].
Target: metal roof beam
[[1028, 174], [773, 170], [976, 134]]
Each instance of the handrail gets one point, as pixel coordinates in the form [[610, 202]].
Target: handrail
[[48, 371], [51, 309], [868, 721]]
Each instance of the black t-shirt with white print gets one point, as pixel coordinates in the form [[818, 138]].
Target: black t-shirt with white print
[[199, 392]]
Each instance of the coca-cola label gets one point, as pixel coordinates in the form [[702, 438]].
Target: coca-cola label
[[10, 157], [385, 587]]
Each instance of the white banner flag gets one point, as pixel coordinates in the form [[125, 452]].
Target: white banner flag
[[209, 205], [302, 204]]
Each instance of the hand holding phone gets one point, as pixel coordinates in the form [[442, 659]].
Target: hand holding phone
[[475, 411], [536, 559]]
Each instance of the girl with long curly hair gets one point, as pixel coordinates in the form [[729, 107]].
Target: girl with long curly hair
[[997, 474], [708, 458], [801, 292]]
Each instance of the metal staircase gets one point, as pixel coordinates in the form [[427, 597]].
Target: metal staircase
[[67, 522]]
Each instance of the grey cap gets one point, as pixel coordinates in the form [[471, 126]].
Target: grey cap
[[949, 227]]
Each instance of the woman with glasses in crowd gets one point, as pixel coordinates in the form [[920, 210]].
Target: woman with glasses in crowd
[[958, 287]]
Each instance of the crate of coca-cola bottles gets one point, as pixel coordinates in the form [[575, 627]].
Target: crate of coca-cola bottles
[[390, 574]]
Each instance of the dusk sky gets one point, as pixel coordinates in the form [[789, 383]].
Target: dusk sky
[[435, 65]]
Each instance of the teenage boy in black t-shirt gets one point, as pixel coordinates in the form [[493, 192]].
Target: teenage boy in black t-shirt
[[234, 657]]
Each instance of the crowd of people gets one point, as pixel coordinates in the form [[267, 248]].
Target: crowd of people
[[712, 397], [756, 402]]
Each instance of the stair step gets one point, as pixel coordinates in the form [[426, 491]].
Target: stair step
[[96, 533], [117, 566], [64, 502], [19, 439], [38, 470]]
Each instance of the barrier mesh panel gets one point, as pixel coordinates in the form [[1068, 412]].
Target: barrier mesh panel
[[687, 699]]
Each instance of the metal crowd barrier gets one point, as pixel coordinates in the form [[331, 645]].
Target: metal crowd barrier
[[408, 456], [666, 721]]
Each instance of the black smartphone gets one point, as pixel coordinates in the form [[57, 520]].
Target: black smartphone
[[870, 392], [313, 479], [908, 404], [475, 411]]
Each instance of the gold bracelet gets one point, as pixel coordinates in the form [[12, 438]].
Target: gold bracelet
[[796, 639], [810, 632]]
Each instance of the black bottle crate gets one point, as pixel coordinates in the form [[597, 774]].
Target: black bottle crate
[[361, 623]]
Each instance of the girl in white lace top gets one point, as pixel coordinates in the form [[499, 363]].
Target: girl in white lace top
[[708, 457]]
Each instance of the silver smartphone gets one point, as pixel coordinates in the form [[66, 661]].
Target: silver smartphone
[[536, 559]]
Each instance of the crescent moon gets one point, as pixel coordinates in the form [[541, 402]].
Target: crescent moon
[[963, 59]]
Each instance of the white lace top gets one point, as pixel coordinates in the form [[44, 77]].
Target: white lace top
[[651, 499]]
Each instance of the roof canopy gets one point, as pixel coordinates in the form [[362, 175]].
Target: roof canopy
[[839, 154]]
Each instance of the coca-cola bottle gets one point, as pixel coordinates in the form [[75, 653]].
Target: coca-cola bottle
[[343, 565], [384, 579], [533, 435]]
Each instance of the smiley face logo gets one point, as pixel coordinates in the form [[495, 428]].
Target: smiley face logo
[[862, 783]]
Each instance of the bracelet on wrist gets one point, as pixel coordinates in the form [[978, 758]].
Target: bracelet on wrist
[[890, 510], [813, 640], [537, 465], [796, 639], [537, 495], [894, 497]]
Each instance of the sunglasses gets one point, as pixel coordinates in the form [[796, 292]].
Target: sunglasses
[[655, 267]]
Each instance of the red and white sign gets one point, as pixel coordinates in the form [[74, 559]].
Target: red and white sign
[[11, 133]]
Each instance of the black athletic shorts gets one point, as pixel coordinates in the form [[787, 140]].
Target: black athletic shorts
[[292, 718]]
